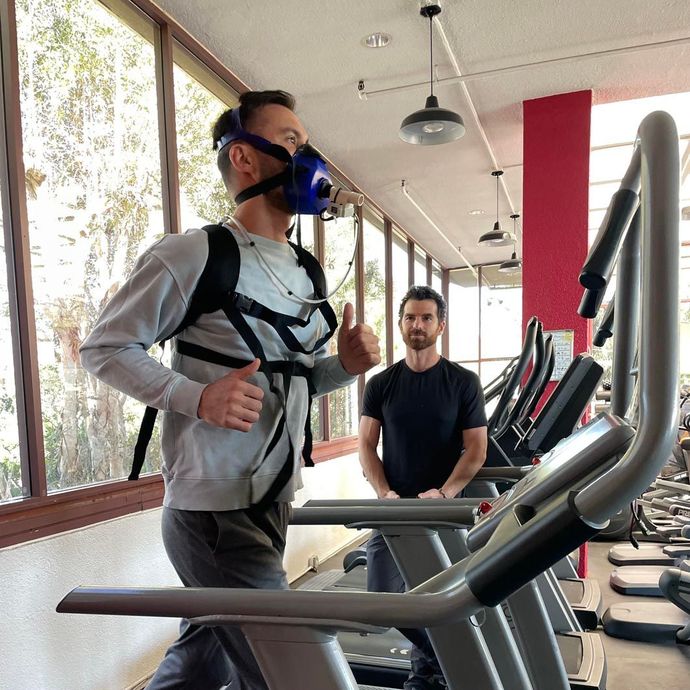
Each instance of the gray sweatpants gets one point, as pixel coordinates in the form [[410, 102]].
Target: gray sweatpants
[[234, 548]]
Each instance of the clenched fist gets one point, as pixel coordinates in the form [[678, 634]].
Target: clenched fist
[[232, 402], [390, 494], [358, 347], [431, 493]]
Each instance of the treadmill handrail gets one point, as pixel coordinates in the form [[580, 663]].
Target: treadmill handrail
[[597, 269], [346, 515], [391, 502], [495, 386], [512, 414], [517, 373], [531, 543], [452, 603], [605, 330], [627, 302], [550, 357], [590, 302], [657, 151]]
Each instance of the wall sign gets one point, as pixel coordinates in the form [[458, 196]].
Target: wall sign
[[563, 349]]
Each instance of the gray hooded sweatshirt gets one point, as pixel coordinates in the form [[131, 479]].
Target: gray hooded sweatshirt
[[207, 467]]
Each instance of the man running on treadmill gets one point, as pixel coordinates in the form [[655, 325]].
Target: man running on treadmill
[[432, 415]]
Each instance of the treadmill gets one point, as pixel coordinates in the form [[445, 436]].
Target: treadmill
[[569, 464], [293, 633], [643, 580], [556, 418], [655, 621], [514, 438]]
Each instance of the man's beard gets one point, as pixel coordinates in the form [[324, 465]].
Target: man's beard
[[419, 343], [276, 196]]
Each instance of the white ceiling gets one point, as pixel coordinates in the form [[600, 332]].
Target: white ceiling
[[314, 49]]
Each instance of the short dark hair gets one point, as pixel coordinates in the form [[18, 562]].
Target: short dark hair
[[422, 292], [250, 103]]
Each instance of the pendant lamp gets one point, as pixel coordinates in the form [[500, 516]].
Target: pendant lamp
[[512, 265], [432, 124], [497, 237]]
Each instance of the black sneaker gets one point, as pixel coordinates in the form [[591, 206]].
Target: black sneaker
[[417, 682], [439, 682]]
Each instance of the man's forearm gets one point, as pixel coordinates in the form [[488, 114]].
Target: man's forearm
[[468, 465], [373, 470]]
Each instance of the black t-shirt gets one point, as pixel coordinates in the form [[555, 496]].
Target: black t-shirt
[[423, 415]]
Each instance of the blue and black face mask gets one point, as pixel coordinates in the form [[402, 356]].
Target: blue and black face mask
[[305, 181]]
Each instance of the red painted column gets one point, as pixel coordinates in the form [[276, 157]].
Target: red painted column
[[555, 206]]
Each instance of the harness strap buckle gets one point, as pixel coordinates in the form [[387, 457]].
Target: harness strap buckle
[[243, 303]]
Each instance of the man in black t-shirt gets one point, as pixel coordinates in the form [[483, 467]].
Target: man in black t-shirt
[[431, 412]]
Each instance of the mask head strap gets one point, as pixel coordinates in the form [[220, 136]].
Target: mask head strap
[[237, 133], [264, 186]]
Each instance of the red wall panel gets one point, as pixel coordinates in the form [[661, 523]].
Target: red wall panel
[[555, 211]]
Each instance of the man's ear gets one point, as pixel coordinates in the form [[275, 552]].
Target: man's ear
[[242, 157], [442, 327]]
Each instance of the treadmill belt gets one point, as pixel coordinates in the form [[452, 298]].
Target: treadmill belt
[[653, 621], [640, 580], [323, 581], [647, 554], [573, 590], [388, 649], [571, 651], [584, 659], [356, 579]]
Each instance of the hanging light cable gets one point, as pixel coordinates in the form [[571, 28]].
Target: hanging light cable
[[497, 237], [512, 265]]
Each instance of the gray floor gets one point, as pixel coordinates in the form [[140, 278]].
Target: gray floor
[[631, 665], [636, 665]]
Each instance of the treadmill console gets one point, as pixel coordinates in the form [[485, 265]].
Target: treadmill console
[[592, 448]]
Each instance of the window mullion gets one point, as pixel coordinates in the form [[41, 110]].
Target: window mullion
[[410, 262], [359, 293], [15, 220], [390, 316], [167, 128], [320, 253], [445, 288]]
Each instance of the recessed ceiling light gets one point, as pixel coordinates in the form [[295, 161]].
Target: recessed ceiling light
[[477, 212], [378, 39]]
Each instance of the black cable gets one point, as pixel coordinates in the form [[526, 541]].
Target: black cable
[[431, 54]]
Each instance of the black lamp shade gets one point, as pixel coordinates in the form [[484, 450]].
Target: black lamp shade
[[432, 125], [497, 237], [512, 265]]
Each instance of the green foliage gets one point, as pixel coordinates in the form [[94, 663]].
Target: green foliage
[[10, 477], [90, 121], [339, 245], [196, 111]]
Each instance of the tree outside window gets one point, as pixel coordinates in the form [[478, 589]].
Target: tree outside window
[[400, 286], [339, 245], [11, 481], [375, 283]]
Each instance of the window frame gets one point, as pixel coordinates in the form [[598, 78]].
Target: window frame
[[481, 284]]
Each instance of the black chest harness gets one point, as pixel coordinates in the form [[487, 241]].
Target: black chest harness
[[216, 290]]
